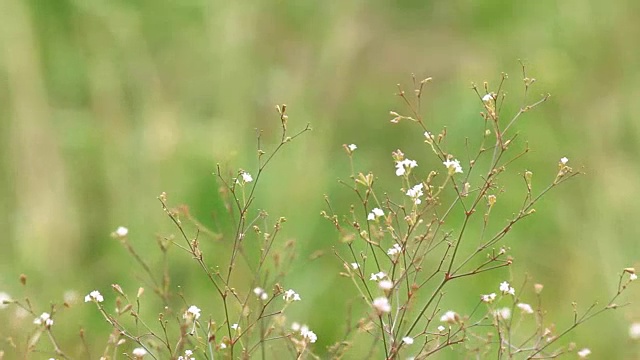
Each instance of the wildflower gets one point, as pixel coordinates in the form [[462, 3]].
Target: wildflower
[[441, 328], [429, 137], [246, 177], [582, 354], [633, 277], [488, 97], [4, 300], [538, 288], [450, 317], [381, 304], [352, 147], [504, 313], [488, 298], [403, 165], [260, 293], [139, 352], [385, 284], [375, 213], [396, 249], [295, 326], [234, 326], [187, 355], [355, 265], [526, 308], [564, 161], [121, 231], [378, 276], [291, 295], [94, 296], [506, 288], [223, 346], [634, 331], [308, 334], [44, 319], [192, 313], [415, 192], [453, 166], [407, 340]]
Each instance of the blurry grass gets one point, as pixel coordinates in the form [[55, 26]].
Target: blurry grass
[[105, 104]]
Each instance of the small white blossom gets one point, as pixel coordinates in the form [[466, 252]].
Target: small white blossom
[[403, 165], [291, 295], [378, 276], [634, 331], [308, 334], [633, 277], [407, 340], [355, 265], [450, 317], [453, 166], [441, 328], [4, 297], [94, 296], [381, 304], [122, 231], [506, 288], [564, 161], [223, 346], [44, 319], [139, 352], [488, 97], [246, 177], [415, 193], [188, 355], [352, 147], [260, 293], [526, 308], [488, 298], [295, 326], [429, 136], [396, 249], [504, 313], [192, 313], [375, 213], [234, 326], [385, 284], [582, 354]]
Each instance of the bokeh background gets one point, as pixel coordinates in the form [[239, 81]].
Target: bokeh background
[[105, 104]]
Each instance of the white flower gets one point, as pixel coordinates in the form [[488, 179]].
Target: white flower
[[506, 288], [246, 177], [526, 308], [488, 97], [44, 319], [441, 328], [295, 326], [396, 249], [634, 331], [94, 296], [453, 166], [192, 313], [223, 346], [139, 352], [488, 298], [415, 192], [187, 355], [291, 295], [381, 304], [504, 313], [385, 284], [450, 317], [403, 165], [633, 277], [4, 297], [429, 136], [260, 293], [564, 161], [122, 231], [582, 354], [308, 334], [355, 265], [234, 326], [375, 213], [352, 147], [407, 340], [377, 276]]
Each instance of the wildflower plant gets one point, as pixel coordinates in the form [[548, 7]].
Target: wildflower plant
[[403, 247]]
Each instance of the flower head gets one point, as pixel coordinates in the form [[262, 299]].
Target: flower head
[[246, 177], [188, 355], [121, 231], [415, 193], [450, 317], [192, 313], [291, 295], [260, 293], [564, 160], [526, 308], [582, 354], [308, 335], [488, 298], [94, 296], [44, 319], [396, 249], [506, 288], [453, 166], [488, 97], [377, 276], [503, 313], [407, 340], [402, 166], [4, 297], [352, 147], [381, 304], [139, 352], [375, 213], [385, 285], [634, 331]]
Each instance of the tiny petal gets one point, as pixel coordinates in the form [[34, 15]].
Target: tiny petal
[[352, 147], [407, 340]]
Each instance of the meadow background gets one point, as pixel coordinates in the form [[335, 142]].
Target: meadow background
[[105, 104]]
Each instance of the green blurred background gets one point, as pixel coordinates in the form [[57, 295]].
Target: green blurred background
[[105, 104]]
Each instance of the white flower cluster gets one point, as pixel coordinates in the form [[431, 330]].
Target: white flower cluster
[[307, 335], [94, 296], [291, 295], [375, 213], [44, 319]]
